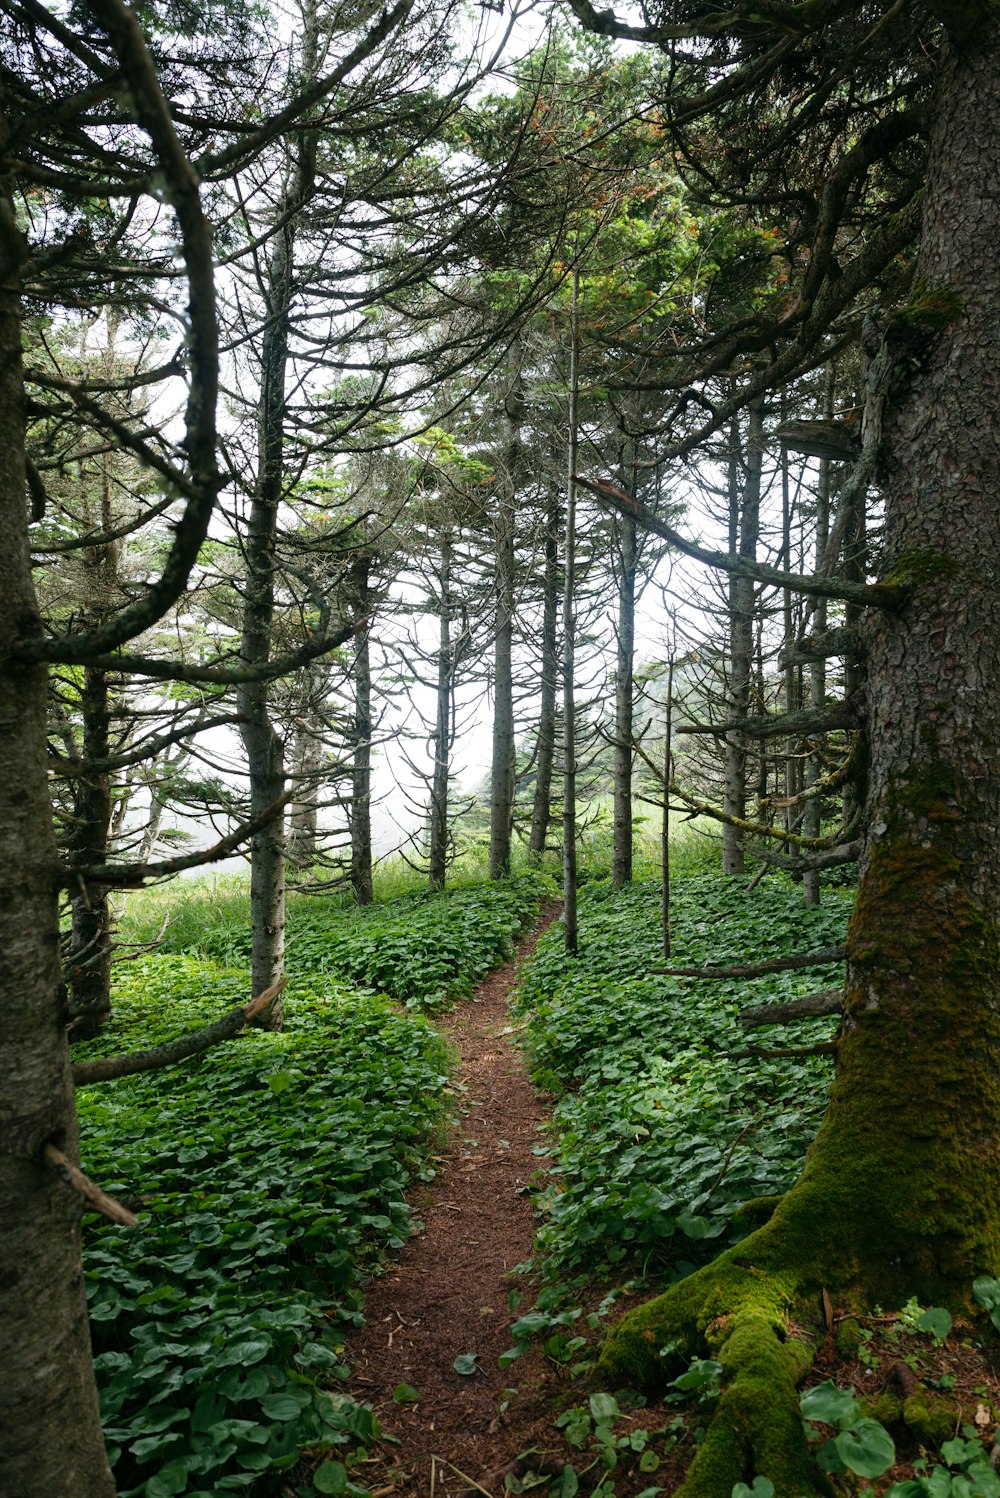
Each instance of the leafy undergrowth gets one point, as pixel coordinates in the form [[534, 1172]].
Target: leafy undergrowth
[[425, 948], [268, 1176], [896, 1407], [660, 1133]]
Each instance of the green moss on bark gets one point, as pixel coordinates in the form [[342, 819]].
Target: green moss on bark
[[931, 1418]]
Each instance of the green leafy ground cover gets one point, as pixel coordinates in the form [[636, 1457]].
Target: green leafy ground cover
[[659, 1135], [424, 948], [268, 1174]]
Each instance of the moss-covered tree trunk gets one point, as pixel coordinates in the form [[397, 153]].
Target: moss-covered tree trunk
[[900, 1194], [910, 1143]]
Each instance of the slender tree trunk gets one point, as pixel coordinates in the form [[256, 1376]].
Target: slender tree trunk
[[263, 744], [502, 772], [792, 694], [623, 754], [303, 815], [668, 775], [89, 954], [817, 670], [48, 1401], [541, 811], [361, 771], [438, 851], [570, 925], [744, 524]]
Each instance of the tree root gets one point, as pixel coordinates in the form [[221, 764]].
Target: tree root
[[739, 1314]]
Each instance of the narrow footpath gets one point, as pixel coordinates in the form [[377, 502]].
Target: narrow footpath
[[446, 1297]]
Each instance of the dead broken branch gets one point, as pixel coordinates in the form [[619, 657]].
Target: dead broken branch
[[811, 1006], [172, 1051], [98, 1199], [759, 969]]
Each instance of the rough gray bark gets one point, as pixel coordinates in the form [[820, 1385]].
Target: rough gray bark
[[441, 739], [744, 530], [48, 1403], [502, 769], [545, 743], [622, 752], [570, 923], [261, 740], [361, 739]]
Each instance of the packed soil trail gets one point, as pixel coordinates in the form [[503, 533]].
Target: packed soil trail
[[447, 1294]]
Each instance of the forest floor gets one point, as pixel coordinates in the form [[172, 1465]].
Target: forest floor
[[447, 1295]]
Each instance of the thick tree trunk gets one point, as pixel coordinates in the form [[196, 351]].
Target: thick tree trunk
[[621, 773], [48, 1402], [545, 744], [919, 1076], [502, 770], [900, 1193]]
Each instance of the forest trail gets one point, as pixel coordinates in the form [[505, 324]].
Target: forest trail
[[447, 1294]]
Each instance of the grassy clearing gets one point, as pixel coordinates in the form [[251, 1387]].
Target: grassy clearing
[[268, 1176]]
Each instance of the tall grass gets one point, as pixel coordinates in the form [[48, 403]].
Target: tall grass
[[192, 912]]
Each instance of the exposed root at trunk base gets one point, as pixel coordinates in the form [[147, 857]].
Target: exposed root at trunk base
[[739, 1310]]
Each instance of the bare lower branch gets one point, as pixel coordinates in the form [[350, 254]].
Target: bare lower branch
[[124, 875], [754, 829], [227, 676], [98, 1199], [812, 1006], [848, 852], [820, 647], [783, 725], [821, 1048], [758, 969], [172, 1051], [875, 596], [144, 751]]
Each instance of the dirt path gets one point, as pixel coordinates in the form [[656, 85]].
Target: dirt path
[[447, 1295]]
